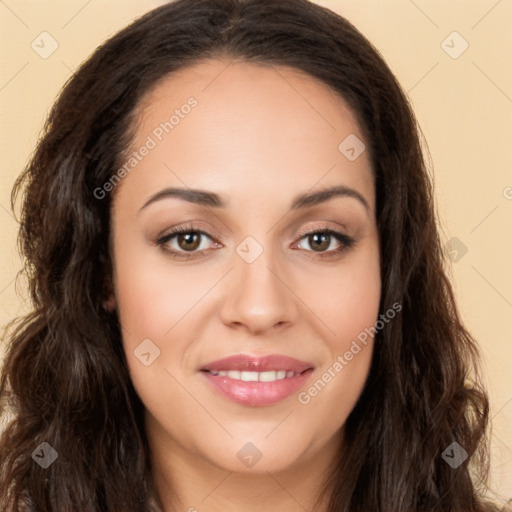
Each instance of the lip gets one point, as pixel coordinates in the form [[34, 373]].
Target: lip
[[248, 363], [256, 393]]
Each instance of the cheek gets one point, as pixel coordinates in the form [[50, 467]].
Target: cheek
[[152, 293], [348, 305], [156, 302], [346, 299]]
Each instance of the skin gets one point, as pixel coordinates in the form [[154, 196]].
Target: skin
[[259, 137]]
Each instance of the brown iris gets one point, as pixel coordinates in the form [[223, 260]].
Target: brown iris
[[191, 241], [323, 241]]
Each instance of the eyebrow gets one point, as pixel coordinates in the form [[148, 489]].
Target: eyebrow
[[205, 198]]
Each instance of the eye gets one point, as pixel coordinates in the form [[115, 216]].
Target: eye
[[185, 241], [322, 241]]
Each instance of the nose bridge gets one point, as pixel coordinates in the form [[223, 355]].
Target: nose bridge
[[257, 297]]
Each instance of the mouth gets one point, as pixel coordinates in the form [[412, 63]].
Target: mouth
[[270, 376], [257, 381]]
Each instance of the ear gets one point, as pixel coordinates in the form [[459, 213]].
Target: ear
[[109, 303]]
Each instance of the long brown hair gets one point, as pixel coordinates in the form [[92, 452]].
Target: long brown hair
[[65, 378]]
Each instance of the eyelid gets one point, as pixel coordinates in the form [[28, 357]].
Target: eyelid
[[169, 235], [322, 228], [187, 228], [345, 240]]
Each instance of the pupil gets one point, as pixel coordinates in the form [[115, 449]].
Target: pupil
[[190, 239], [323, 239]]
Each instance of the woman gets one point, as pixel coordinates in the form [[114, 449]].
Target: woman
[[240, 301]]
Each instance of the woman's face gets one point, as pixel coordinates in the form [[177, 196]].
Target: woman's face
[[237, 156]]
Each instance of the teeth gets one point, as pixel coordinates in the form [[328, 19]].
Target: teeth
[[248, 376], [269, 376]]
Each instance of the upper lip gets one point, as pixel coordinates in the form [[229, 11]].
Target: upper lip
[[272, 362]]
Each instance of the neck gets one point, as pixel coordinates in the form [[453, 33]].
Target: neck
[[186, 482]]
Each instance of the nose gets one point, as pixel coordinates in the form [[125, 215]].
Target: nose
[[258, 297]]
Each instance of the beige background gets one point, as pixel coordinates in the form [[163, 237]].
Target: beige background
[[463, 104]]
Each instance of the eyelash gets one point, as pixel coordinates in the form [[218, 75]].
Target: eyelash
[[345, 241]]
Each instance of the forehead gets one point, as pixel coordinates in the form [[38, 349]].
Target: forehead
[[250, 124], [249, 88]]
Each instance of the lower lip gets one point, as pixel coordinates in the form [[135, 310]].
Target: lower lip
[[257, 393]]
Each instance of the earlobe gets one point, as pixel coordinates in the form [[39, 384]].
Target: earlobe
[[109, 304]]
